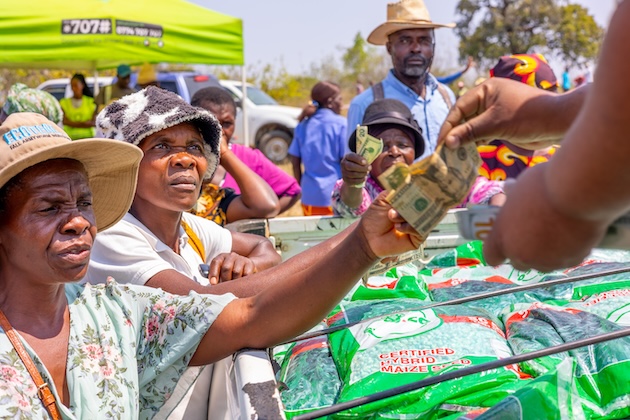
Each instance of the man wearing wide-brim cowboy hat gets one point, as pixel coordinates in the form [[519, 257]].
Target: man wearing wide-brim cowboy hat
[[408, 35]]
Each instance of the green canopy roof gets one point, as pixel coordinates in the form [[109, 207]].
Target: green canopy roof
[[100, 34]]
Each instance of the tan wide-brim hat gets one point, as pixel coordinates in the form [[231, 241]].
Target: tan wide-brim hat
[[406, 14], [111, 166]]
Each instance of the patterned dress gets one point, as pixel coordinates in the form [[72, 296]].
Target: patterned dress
[[213, 203], [128, 347], [503, 160]]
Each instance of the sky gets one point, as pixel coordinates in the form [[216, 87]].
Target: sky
[[297, 33]]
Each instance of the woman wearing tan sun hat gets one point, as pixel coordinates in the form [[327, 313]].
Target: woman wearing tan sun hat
[[76, 351], [408, 35]]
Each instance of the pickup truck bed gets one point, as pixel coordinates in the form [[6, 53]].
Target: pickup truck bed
[[255, 388]]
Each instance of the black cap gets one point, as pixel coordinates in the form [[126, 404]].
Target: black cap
[[391, 112]]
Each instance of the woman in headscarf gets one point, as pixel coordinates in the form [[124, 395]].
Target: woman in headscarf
[[319, 143], [117, 351], [22, 98], [504, 160]]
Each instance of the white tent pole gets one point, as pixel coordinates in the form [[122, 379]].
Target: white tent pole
[[96, 86], [244, 106]]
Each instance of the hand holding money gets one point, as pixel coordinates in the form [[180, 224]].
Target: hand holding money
[[354, 169], [368, 147], [423, 192]]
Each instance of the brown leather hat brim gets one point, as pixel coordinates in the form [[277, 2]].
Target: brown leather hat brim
[[381, 33]]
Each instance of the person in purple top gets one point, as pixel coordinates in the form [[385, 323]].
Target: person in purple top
[[220, 103]]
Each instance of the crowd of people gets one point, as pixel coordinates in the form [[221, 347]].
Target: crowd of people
[[122, 293]]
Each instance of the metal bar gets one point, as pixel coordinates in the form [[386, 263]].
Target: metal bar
[[336, 408], [465, 300]]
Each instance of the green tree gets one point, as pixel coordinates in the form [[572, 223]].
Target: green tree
[[579, 37], [488, 29], [356, 58], [364, 62], [30, 77]]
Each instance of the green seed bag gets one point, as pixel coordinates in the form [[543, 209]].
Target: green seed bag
[[602, 370], [449, 283], [553, 396], [468, 254], [404, 348], [309, 377], [613, 305], [399, 282]]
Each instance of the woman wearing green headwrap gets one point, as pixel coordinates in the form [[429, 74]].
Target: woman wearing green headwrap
[[21, 98]]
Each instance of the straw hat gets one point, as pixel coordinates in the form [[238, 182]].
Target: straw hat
[[406, 14], [112, 166]]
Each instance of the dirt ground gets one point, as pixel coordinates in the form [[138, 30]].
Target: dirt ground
[[296, 210]]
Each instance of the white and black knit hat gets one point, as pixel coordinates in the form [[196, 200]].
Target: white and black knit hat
[[135, 117]]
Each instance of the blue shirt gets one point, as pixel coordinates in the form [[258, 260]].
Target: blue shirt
[[566, 81], [321, 142], [429, 112]]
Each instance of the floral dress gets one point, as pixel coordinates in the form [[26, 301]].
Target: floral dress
[[128, 346], [369, 192]]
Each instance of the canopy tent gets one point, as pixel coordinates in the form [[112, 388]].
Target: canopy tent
[[101, 34]]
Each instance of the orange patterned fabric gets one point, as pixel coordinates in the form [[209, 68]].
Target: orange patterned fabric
[[531, 69], [502, 160]]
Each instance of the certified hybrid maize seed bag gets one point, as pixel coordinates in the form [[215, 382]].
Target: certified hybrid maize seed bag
[[399, 282], [406, 347], [280, 352], [446, 284], [309, 377], [352, 311], [586, 288], [468, 254], [602, 370], [613, 306], [553, 396]]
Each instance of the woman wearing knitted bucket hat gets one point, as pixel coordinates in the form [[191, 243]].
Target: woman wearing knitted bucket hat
[[159, 243]]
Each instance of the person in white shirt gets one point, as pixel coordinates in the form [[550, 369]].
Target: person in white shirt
[[158, 243]]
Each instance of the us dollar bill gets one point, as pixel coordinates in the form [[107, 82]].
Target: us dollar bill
[[423, 192], [368, 146]]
